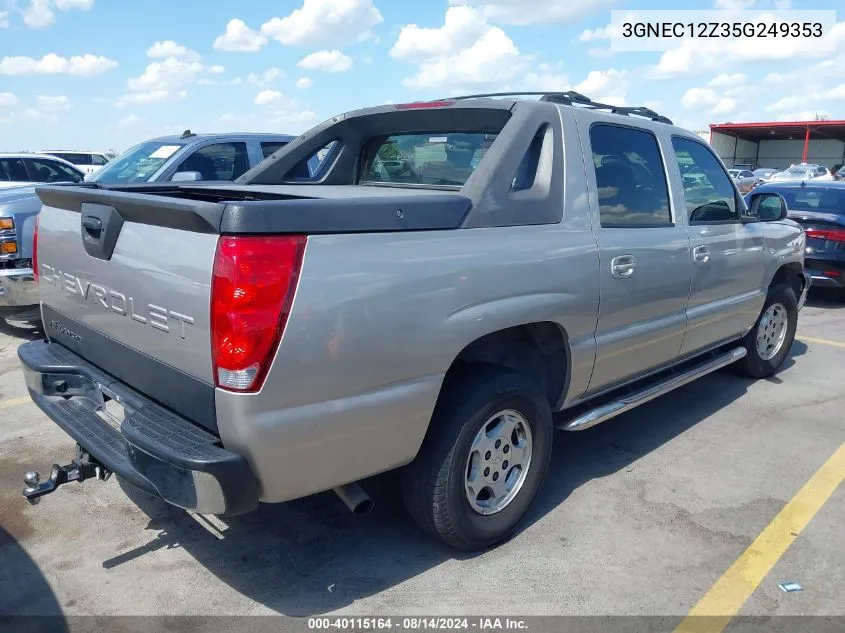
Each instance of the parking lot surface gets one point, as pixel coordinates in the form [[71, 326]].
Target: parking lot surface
[[639, 516]]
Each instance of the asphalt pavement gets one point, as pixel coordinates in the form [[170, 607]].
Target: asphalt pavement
[[641, 515]]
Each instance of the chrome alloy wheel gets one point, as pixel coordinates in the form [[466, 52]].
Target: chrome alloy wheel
[[498, 462], [771, 333]]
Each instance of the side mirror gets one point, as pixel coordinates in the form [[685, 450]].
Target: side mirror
[[186, 176], [768, 207]]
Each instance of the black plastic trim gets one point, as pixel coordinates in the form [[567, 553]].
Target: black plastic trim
[[186, 395], [136, 204], [232, 212], [155, 449], [346, 215]]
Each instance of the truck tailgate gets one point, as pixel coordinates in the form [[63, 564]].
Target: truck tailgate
[[139, 312]]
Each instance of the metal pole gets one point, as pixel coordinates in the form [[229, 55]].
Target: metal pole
[[806, 145]]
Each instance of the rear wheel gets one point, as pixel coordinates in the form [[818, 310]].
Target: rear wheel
[[483, 460], [769, 341]]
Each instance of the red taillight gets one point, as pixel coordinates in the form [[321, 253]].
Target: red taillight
[[35, 249], [252, 289], [424, 105], [833, 235]]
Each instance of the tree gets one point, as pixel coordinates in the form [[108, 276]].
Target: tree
[[821, 117]]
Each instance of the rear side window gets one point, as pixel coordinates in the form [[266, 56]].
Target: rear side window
[[630, 177], [268, 149], [434, 158], [709, 194], [98, 159], [13, 169], [219, 161], [42, 170], [823, 199]]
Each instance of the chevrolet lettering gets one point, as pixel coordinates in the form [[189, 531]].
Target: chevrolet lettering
[[153, 315]]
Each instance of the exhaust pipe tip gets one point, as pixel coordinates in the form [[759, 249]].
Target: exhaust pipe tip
[[354, 497]]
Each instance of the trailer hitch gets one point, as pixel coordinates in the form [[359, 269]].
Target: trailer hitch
[[82, 468]]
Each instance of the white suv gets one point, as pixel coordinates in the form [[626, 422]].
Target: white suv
[[88, 162]]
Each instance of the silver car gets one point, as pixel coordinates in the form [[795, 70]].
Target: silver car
[[745, 180]]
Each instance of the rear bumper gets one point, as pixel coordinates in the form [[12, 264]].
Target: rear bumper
[[152, 448], [18, 288], [823, 271]]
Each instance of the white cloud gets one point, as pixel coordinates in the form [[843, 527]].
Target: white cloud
[[524, 12], [205, 81], [465, 53], [802, 115], [735, 4], [53, 104], [709, 101], [239, 38], [4, 19], [551, 82], [67, 5], [602, 33], [166, 75], [266, 97], [611, 82], [333, 61], [52, 64], [166, 80], [130, 119], [39, 14], [728, 80], [8, 99], [304, 83], [697, 56], [837, 93], [325, 22], [462, 27], [150, 96], [169, 48], [266, 78], [286, 117]]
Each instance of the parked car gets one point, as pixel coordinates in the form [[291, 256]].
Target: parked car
[[744, 179], [820, 208], [764, 174], [88, 161], [191, 157], [300, 331], [840, 173], [18, 208], [804, 171], [23, 168]]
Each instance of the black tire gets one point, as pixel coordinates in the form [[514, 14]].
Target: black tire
[[753, 365], [433, 484]]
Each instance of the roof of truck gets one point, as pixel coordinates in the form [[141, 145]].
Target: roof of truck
[[170, 138]]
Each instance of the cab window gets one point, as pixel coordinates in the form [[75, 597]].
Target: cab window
[[709, 193], [630, 177]]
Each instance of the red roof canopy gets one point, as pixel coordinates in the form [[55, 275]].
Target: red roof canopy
[[782, 130]]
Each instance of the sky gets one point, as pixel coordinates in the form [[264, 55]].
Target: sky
[[106, 74]]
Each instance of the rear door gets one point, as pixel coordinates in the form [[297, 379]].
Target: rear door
[[644, 255], [728, 255]]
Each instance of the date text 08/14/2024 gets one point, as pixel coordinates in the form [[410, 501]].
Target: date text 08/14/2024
[[417, 623]]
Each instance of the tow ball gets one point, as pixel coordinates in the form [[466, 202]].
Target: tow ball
[[82, 468]]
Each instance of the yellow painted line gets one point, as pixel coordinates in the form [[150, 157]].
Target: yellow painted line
[[725, 598], [12, 402], [822, 341]]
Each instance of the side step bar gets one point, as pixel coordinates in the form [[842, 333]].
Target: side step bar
[[629, 401]]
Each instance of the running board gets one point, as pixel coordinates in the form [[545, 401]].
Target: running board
[[634, 399]]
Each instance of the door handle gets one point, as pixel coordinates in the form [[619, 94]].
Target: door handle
[[622, 267], [701, 255]]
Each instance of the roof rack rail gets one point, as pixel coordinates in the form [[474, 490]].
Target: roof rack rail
[[572, 98]]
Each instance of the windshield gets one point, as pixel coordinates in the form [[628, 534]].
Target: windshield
[[440, 158], [733, 172], [764, 172], [137, 164]]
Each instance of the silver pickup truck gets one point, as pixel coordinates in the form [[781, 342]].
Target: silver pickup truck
[[454, 281]]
